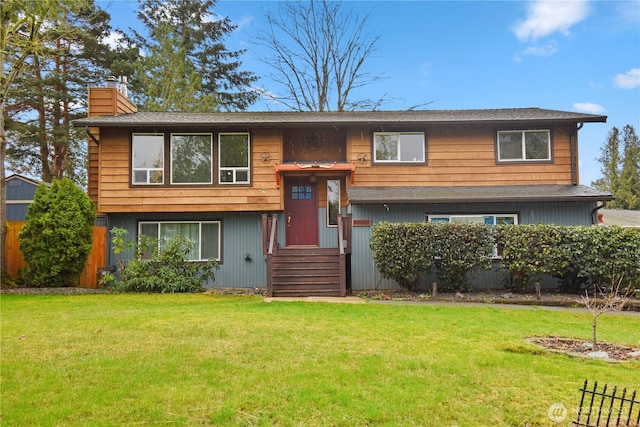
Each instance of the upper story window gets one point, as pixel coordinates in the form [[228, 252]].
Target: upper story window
[[399, 147], [188, 158], [191, 158], [234, 158], [147, 159], [524, 145]]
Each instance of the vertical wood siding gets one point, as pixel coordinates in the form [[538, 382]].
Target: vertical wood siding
[[366, 276], [241, 235], [88, 277]]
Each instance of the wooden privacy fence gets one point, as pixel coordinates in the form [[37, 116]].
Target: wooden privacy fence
[[88, 278]]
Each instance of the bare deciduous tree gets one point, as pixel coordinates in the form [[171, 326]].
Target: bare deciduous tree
[[603, 300], [318, 52]]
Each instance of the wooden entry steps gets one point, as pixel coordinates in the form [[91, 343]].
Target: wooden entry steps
[[306, 271]]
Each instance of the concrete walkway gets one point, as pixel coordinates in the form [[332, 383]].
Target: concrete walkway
[[336, 300], [357, 300]]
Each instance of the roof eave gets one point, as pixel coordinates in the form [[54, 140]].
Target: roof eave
[[538, 199]]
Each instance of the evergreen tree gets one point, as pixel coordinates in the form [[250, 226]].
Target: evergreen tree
[[610, 163], [621, 173], [185, 65], [629, 189], [57, 238], [21, 41], [51, 91]]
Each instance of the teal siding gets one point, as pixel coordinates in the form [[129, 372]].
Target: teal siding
[[241, 235], [365, 275]]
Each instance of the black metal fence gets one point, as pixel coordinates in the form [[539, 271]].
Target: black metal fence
[[604, 409]]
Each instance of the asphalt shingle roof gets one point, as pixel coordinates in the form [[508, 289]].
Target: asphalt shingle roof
[[507, 193], [506, 115]]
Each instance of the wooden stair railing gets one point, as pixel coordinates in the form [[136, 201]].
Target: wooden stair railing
[[306, 271]]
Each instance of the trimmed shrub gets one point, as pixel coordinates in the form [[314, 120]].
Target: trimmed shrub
[[462, 250], [408, 251], [403, 252], [57, 238], [577, 255], [527, 251]]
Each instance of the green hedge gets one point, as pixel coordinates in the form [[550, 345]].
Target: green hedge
[[406, 252], [576, 255]]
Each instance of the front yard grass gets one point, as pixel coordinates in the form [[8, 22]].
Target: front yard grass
[[104, 360]]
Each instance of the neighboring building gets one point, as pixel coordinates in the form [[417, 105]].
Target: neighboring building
[[227, 180], [621, 217], [20, 194]]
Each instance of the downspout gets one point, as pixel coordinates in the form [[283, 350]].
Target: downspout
[[92, 136], [573, 146]]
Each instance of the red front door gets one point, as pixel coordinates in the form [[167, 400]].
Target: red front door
[[301, 212]]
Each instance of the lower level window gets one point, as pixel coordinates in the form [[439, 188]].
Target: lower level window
[[490, 219], [204, 236]]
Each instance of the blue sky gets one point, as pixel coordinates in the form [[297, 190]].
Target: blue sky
[[566, 55]]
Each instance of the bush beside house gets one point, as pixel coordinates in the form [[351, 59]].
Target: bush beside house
[[577, 255], [57, 238]]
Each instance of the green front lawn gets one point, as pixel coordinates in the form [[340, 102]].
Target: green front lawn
[[104, 360]]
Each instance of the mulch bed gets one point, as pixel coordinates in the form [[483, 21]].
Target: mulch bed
[[582, 348]]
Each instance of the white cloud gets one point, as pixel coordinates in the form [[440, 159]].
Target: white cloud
[[113, 39], [628, 80], [545, 17], [589, 107], [628, 12], [545, 50]]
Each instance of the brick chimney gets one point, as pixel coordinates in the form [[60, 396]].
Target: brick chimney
[[111, 100]]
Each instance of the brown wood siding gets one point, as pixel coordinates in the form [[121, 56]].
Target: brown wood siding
[[314, 145], [102, 102], [461, 156], [117, 195]]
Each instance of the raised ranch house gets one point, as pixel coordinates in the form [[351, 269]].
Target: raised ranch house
[[286, 200]]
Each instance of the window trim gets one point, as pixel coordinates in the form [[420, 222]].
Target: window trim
[[496, 253], [134, 169], [549, 158], [199, 222], [234, 169], [401, 162], [339, 200], [210, 134]]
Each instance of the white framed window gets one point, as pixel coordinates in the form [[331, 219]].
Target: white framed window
[[147, 158], [488, 219], [524, 145], [399, 147], [205, 236], [191, 158], [333, 202], [234, 158]]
